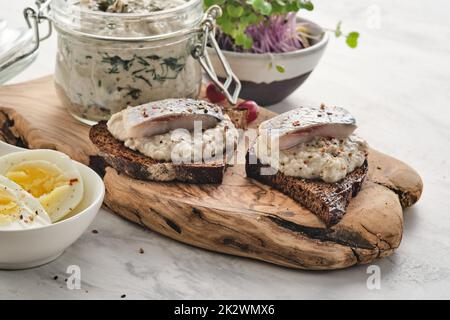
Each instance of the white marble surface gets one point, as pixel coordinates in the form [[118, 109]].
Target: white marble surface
[[397, 83]]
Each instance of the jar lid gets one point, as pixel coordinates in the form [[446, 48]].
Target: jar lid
[[13, 43], [72, 17]]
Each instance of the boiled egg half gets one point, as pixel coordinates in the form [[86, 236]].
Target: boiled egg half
[[49, 176], [18, 209]]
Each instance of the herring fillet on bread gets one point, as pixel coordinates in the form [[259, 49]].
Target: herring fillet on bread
[[136, 152], [321, 164]]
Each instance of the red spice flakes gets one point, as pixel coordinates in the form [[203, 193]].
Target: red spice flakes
[[144, 113], [350, 154], [73, 181], [141, 251], [94, 231], [322, 106], [296, 123], [305, 161]]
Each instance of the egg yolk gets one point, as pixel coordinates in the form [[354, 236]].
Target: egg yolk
[[37, 177], [44, 180], [9, 209]]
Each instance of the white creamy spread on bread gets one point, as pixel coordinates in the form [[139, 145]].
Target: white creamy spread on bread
[[313, 143], [179, 143]]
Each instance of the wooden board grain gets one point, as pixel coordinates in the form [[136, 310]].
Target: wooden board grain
[[240, 217]]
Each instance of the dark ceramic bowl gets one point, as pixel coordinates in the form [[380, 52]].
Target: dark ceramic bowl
[[261, 81]]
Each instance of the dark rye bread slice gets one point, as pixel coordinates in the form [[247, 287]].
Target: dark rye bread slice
[[326, 200], [141, 167]]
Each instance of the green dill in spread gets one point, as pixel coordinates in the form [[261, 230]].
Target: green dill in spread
[[328, 159]]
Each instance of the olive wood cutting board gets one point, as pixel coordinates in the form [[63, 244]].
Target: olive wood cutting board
[[240, 217]]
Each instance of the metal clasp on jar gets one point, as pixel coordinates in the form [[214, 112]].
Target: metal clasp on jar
[[200, 53]]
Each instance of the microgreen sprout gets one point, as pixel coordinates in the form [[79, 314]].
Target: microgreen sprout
[[267, 26]]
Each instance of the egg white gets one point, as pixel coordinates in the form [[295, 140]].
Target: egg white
[[27, 212], [49, 170]]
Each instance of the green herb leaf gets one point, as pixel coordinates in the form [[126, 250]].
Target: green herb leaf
[[352, 39], [307, 5], [238, 15], [248, 42], [249, 18]]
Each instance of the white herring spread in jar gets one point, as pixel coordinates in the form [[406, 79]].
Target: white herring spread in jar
[[328, 159], [96, 78]]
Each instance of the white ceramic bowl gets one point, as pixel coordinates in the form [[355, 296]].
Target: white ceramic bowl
[[265, 84], [21, 249]]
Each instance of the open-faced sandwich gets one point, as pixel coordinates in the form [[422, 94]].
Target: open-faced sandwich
[[311, 155], [170, 140]]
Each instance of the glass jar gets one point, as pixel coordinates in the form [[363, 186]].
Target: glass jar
[[108, 61]]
